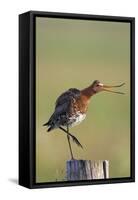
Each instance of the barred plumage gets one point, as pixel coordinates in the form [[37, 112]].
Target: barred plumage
[[66, 110]]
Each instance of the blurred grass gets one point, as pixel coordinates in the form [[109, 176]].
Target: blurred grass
[[73, 53]]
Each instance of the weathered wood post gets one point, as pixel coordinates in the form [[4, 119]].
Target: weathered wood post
[[87, 169]]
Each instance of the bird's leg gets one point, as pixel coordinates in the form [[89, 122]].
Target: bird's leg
[[72, 136], [68, 137]]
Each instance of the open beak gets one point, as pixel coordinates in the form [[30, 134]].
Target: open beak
[[105, 88]]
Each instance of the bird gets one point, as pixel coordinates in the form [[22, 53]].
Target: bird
[[71, 108]]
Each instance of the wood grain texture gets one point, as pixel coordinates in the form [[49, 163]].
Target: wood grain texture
[[87, 170]]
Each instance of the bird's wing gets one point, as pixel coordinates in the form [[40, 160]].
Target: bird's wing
[[64, 101], [63, 106]]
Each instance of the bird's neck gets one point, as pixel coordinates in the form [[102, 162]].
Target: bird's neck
[[85, 98], [88, 92]]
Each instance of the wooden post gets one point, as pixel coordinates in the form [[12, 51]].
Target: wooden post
[[87, 169]]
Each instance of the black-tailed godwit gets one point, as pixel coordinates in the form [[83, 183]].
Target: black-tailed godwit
[[71, 107]]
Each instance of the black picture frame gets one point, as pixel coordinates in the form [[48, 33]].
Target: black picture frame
[[27, 98]]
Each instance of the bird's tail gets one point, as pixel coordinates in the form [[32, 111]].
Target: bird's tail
[[50, 126], [46, 124]]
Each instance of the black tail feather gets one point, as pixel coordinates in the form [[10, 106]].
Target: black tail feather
[[49, 129], [46, 124]]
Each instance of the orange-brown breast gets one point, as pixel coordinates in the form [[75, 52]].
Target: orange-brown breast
[[84, 99], [80, 104], [83, 103]]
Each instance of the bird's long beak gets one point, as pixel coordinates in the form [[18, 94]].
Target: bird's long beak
[[105, 88]]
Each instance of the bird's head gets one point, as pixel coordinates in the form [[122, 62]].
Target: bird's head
[[97, 86]]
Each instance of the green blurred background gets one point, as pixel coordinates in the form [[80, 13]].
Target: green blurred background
[[73, 53]]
